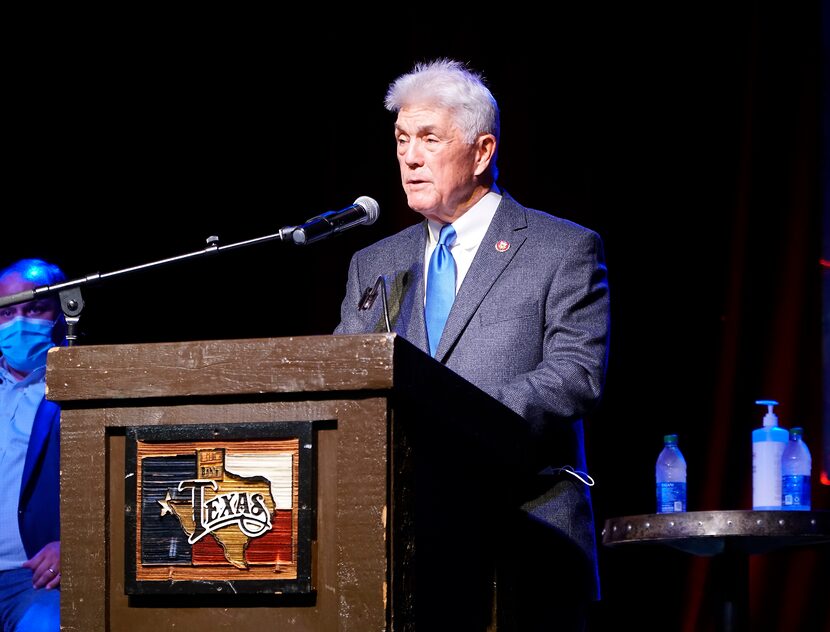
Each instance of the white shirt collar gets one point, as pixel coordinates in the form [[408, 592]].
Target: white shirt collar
[[470, 227]]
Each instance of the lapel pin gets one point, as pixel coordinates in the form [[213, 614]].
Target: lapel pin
[[502, 246]]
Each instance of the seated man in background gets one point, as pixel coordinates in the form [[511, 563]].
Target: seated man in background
[[30, 574]]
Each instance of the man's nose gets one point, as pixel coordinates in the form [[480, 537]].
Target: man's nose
[[413, 156]]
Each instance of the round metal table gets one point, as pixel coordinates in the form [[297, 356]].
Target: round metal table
[[730, 537]]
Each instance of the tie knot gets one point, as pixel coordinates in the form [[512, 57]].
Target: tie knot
[[447, 236]]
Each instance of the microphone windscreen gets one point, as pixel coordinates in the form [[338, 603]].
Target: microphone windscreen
[[370, 206]]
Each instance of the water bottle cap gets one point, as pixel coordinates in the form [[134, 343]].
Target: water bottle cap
[[670, 438], [796, 432]]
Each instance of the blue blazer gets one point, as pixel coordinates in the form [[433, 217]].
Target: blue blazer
[[38, 512], [529, 326]]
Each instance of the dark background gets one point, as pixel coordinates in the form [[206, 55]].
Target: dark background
[[689, 138]]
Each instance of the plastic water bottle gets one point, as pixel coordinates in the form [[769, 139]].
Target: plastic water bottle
[[670, 472], [795, 473]]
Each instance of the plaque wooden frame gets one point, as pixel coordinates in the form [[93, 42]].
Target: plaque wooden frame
[[153, 525]]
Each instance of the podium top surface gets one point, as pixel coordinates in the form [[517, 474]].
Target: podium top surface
[[222, 367]]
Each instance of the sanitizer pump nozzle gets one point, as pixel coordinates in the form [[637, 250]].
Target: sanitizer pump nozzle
[[770, 419]]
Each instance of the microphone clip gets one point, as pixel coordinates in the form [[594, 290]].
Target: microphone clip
[[370, 294]]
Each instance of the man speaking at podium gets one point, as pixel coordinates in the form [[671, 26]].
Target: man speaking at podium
[[515, 301]]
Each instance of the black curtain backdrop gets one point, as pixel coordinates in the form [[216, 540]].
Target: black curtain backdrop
[[689, 138]]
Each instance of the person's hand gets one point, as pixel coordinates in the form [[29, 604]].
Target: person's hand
[[46, 566]]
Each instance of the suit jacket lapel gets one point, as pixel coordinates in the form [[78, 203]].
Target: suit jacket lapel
[[407, 289], [502, 240], [41, 427]]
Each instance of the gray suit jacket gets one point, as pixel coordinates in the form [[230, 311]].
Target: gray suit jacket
[[529, 326]]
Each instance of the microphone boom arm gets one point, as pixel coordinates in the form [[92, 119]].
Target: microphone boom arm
[[363, 211], [70, 294]]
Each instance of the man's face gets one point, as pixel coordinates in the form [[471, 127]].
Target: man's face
[[437, 165], [42, 308]]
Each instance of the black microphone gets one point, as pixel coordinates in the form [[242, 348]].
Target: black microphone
[[369, 296], [364, 211]]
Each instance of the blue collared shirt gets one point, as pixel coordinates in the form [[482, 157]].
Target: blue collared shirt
[[19, 401]]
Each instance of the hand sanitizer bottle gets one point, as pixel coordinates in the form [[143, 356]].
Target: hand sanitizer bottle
[[768, 444]]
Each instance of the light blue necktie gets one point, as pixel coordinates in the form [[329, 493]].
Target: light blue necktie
[[440, 287]]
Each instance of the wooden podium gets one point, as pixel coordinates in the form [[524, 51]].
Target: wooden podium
[[411, 471]]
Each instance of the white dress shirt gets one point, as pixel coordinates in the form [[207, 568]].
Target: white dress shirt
[[470, 229]]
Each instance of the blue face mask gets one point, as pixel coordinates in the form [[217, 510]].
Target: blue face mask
[[25, 341]]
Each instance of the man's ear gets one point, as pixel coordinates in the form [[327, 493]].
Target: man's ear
[[485, 150]]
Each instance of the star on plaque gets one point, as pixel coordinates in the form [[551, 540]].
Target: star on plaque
[[165, 504]]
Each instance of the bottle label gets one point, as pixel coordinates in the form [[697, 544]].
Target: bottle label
[[671, 497], [766, 474], [795, 492]]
